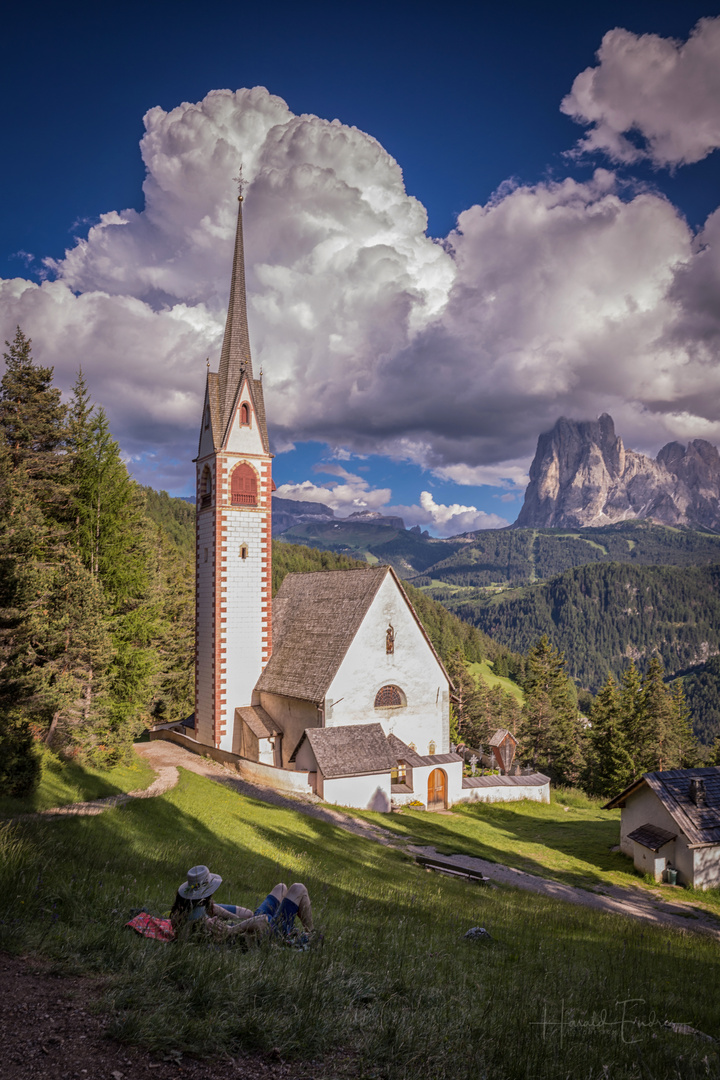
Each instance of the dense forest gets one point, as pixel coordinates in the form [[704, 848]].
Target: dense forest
[[605, 616]]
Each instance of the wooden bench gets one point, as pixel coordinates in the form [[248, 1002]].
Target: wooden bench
[[451, 869]]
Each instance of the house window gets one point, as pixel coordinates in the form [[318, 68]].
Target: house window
[[431, 747], [205, 488], [245, 414], [398, 775], [243, 551], [390, 640], [389, 697], [243, 486]]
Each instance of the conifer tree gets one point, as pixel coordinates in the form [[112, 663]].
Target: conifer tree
[[634, 720], [549, 734], [609, 766]]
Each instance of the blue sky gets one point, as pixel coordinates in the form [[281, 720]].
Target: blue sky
[[466, 99]]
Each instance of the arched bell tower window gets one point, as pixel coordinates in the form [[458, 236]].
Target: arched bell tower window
[[245, 414], [205, 488], [243, 486], [390, 697]]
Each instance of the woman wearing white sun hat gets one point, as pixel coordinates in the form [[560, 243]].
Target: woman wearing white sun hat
[[194, 907]]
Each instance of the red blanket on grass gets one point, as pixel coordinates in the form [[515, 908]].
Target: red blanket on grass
[[152, 927]]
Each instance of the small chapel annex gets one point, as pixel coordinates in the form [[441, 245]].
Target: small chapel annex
[[333, 687]]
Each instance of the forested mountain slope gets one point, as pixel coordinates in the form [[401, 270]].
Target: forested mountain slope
[[520, 556], [603, 616]]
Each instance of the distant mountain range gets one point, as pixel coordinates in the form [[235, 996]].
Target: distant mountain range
[[582, 475]]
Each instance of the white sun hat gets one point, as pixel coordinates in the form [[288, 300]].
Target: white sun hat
[[200, 883]]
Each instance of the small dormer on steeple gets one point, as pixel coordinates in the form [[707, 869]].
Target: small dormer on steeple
[[234, 386]]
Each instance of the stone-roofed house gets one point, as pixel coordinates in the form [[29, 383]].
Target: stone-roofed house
[[672, 819]]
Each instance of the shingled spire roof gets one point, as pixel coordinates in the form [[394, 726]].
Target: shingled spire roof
[[235, 357]]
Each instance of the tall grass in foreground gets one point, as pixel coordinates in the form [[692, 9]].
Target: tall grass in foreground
[[558, 992]]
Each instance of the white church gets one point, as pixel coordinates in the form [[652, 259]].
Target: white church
[[333, 687]]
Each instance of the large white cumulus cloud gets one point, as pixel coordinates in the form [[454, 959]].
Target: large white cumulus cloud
[[664, 91], [555, 298]]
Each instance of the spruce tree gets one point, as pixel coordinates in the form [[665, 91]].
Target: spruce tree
[[609, 766], [549, 735], [634, 720]]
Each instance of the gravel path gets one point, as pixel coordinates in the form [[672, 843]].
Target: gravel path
[[166, 778], [619, 900]]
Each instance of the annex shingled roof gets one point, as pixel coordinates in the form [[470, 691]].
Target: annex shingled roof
[[315, 619], [651, 836], [700, 824], [260, 722], [403, 752], [352, 750]]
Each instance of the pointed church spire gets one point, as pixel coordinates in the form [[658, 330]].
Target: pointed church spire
[[235, 357]]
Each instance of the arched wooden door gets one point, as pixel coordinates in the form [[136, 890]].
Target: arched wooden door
[[437, 790]]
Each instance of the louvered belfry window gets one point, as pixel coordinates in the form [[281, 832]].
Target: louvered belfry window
[[389, 697], [243, 486]]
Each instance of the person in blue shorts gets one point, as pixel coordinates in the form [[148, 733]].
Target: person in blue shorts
[[194, 908]]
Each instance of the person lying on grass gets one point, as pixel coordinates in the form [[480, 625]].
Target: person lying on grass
[[194, 908]]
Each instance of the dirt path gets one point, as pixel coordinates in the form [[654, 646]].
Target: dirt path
[[618, 900], [162, 754], [50, 1027], [166, 778]]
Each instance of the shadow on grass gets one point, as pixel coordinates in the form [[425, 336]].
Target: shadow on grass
[[63, 782], [394, 985]]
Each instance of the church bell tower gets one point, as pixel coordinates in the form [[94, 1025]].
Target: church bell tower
[[233, 620]]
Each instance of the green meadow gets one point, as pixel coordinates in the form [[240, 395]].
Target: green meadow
[[64, 782], [569, 839], [390, 987]]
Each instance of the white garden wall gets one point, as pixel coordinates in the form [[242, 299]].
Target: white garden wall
[[363, 792]]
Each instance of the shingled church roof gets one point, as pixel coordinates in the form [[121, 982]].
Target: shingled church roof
[[315, 619]]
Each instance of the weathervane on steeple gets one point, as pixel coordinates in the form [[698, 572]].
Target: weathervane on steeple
[[241, 183]]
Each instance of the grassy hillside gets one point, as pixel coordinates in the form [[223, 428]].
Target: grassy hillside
[[484, 671], [392, 989]]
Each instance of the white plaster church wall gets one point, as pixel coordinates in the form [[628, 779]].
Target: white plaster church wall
[[292, 716], [241, 602], [412, 666], [370, 792], [535, 792]]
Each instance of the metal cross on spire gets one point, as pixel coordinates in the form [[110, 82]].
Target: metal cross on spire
[[241, 182]]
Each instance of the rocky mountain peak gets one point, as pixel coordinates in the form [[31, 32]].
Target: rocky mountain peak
[[583, 475]]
